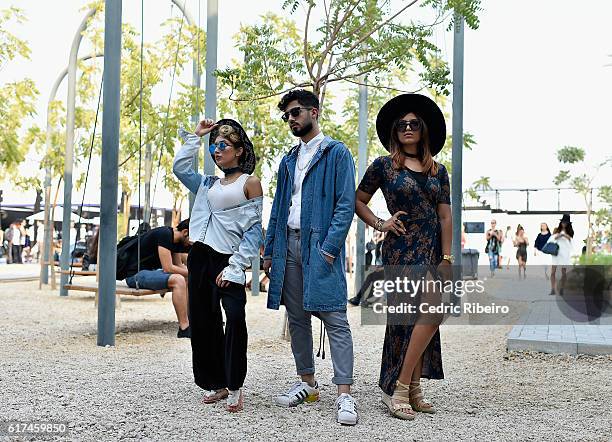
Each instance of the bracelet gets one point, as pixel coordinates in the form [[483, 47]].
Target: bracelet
[[378, 224]]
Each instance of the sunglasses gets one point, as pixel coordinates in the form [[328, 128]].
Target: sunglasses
[[294, 112], [414, 125], [221, 145]]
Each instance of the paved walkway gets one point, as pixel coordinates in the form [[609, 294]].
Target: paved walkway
[[555, 324], [548, 330]]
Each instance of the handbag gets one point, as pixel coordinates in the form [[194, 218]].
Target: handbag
[[551, 248]]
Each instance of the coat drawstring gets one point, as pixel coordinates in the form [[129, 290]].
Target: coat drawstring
[[321, 342]]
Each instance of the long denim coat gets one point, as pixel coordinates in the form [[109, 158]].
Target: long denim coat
[[327, 210]]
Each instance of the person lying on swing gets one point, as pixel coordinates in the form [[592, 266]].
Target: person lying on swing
[[161, 267]]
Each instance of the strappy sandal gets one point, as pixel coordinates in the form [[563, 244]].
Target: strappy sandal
[[417, 399], [212, 396], [399, 403], [233, 405]]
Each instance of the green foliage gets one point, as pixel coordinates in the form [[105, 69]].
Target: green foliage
[[16, 103], [580, 177], [474, 191], [17, 99], [561, 177], [10, 45], [468, 9], [355, 39], [160, 122], [599, 259], [570, 154]]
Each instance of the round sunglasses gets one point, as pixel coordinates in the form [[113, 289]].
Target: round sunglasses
[[222, 145]]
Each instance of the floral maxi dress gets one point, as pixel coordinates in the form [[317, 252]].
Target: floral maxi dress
[[418, 195]]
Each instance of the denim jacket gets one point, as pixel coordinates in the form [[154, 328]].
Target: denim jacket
[[242, 222], [328, 192]]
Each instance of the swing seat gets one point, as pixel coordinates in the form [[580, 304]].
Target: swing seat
[[79, 272], [120, 290]]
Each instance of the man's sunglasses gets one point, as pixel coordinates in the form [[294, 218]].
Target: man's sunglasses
[[414, 125], [294, 112], [222, 145]]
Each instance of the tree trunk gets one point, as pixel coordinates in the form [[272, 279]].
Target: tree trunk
[[125, 196], [589, 244], [176, 211], [37, 202]]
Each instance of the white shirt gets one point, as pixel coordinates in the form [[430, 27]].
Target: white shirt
[[16, 236], [564, 256], [305, 155], [220, 197]]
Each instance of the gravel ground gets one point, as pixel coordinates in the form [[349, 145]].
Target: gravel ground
[[51, 369]]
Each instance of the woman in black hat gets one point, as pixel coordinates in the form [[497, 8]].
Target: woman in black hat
[[225, 227], [417, 191]]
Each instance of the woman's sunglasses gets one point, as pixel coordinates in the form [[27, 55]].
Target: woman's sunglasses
[[222, 145], [414, 125], [294, 112]]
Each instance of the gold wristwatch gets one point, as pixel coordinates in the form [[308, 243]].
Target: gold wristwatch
[[449, 258]]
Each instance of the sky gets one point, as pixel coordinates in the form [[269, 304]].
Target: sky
[[535, 76]]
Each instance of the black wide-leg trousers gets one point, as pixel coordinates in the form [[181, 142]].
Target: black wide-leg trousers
[[219, 356]]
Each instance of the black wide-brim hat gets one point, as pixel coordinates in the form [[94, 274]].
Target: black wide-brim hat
[[421, 105], [247, 164]]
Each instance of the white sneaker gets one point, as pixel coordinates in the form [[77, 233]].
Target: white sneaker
[[346, 409], [298, 393]]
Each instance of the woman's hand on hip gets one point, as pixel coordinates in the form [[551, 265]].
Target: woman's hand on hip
[[221, 282], [394, 224]]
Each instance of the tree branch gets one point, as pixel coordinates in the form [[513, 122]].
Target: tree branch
[[334, 34], [362, 39], [267, 96], [328, 74], [306, 58], [383, 87]]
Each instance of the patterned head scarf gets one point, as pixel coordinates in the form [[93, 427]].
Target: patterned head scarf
[[233, 131]]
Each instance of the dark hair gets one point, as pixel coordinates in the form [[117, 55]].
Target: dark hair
[[183, 225], [304, 97], [569, 229], [430, 167]]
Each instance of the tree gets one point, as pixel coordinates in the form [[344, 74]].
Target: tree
[[580, 177], [160, 122], [357, 38], [482, 184], [277, 57], [17, 99]]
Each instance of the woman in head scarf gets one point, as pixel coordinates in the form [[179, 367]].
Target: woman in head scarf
[[225, 227]]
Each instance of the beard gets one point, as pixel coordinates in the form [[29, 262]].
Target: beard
[[303, 130]]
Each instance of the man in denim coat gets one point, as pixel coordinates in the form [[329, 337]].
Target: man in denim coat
[[312, 212]]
